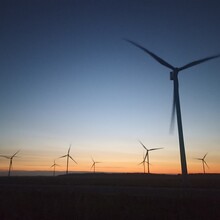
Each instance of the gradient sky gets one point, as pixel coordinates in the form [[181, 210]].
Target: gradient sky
[[68, 77]]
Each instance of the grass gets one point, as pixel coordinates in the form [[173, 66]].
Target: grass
[[110, 196]]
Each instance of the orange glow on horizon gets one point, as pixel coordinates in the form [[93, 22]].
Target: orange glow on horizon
[[114, 167], [123, 160]]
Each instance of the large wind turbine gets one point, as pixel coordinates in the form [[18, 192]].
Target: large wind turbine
[[93, 165], [54, 167], [176, 101], [147, 155], [68, 156], [203, 162], [10, 161]]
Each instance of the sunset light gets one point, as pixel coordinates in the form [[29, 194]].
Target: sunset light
[[109, 109]]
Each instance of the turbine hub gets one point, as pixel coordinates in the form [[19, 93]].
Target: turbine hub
[[174, 73]]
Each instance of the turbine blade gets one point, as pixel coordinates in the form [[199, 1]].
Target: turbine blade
[[69, 149], [158, 59], [145, 155], [158, 148], [15, 153], [72, 159], [205, 163], [92, 165], [173, 114], [142, 145], [63, 156], [196, 62], [198, 158], [205, 156], [7, 157], [148, 163]]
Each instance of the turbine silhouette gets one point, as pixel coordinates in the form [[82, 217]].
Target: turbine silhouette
[[147, 155], [67, 161], [54, 167], [10, 161], [93, 165], [176, 101], [143, 162], [203, 162]]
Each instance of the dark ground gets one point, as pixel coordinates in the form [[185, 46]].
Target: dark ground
[[110, 196]]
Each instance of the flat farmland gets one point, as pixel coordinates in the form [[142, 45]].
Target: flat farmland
[[110, 196]]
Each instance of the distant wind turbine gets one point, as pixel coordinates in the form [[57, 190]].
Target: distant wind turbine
[[93, 165], [10, 161], [176, 101], [144, 161], [147, 155], [68, 156], [203, 162], [54, 167]]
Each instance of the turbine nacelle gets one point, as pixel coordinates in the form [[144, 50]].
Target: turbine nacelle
[[174, 74]]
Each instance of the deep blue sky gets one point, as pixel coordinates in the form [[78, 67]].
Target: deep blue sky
[[67, 76]]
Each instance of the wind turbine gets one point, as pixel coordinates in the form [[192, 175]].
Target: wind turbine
[[203, 162], [68, 156], [54, 167], [143, 162], [176, 101], [93, 165], [11, 160], [147, 155]]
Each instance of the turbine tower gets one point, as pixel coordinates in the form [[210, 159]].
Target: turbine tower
[[203, 162], [176, 101], [10, 161], [93, 165], [143, 162], [147, 155], [67, 161], [54, 167]]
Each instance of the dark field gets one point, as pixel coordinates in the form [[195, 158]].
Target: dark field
[[110, 196]]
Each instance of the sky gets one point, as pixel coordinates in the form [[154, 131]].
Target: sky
[[68, 77]]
